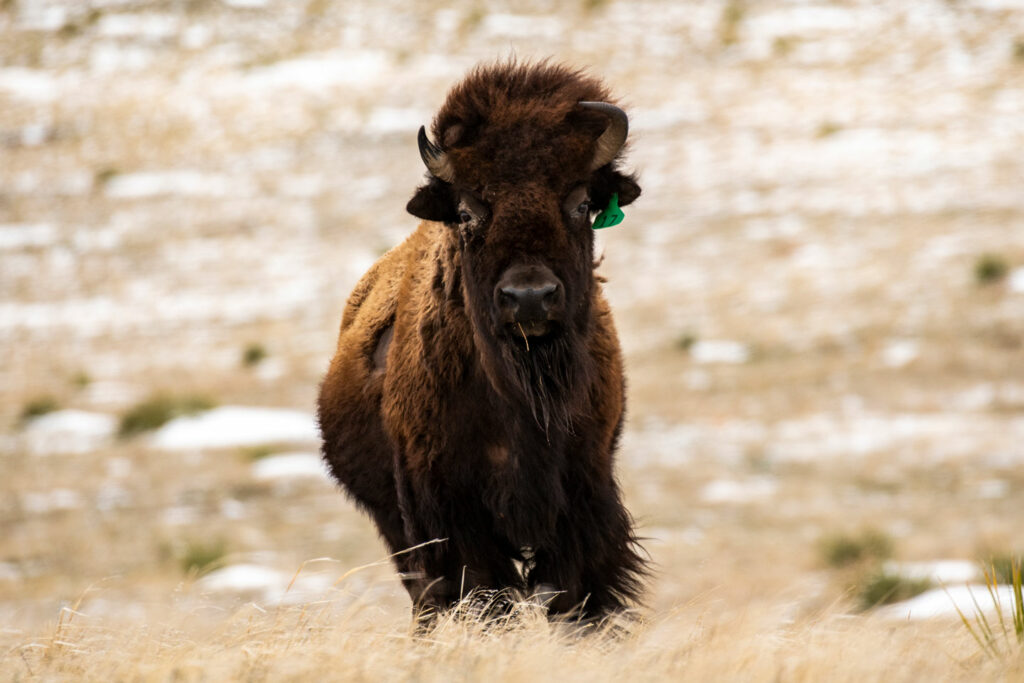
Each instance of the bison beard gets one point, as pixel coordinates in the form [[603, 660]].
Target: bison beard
[[440, 416], [546, 377]]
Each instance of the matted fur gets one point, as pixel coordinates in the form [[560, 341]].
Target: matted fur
[[438, 418]]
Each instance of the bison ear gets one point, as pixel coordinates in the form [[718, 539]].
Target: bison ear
[[433, 202], [607, 182], [626, 186]]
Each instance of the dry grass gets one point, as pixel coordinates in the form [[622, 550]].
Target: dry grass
[[345, 638], [840, 197]]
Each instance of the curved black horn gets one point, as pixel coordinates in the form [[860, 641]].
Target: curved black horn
[[435, 160], [613, 138]]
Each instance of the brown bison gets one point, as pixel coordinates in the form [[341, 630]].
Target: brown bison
[[477, 392]]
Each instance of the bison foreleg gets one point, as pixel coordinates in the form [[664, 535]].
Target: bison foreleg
[[594, 561]]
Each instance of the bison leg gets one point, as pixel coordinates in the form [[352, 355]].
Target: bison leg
[[449, 564], [594, 565]]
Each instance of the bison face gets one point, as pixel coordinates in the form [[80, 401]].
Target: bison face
[[519, 197], [526, 255], [517, 187]]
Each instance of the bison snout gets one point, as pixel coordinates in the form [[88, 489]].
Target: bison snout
[[529, 296]]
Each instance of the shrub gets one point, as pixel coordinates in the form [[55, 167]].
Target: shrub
[[842, 550], [1001, 566], [729, 23], [1009, 618], [254, 453], [253, 354], [199, 557], [883, 588], [41, 405], [990, 269], [827, 129], [158, 410], [686, 341]]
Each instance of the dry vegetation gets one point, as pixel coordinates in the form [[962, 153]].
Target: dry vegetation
[[820, 295]]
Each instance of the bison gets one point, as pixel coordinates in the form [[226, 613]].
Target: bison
[[476, 395]]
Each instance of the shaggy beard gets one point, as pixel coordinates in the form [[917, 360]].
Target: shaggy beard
[[550, 375]]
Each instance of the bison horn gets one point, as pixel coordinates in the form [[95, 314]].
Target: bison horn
[[613, 138], [434, 158]]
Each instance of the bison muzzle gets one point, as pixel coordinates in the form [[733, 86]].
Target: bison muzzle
[[477, 392]]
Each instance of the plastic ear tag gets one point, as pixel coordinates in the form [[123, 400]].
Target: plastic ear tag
[[612, 214]]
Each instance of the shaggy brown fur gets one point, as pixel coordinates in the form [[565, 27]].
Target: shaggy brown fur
[[442, 416]]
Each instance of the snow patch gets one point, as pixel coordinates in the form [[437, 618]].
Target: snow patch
[[900, 352], [39, 502], [69, 431], [24, 235], [29, 84], [1016, 281], [181, 183], [992, 489], [316, 73], [237, 426], [733, 491], [269, 585], [147, 26], [940, 571], [522, 26], [719, 351], [940, 603], [385, 120], [290, 466]]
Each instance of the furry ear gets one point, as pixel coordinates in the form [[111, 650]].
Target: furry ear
[[433, 202], [627, 188], [607, 182]]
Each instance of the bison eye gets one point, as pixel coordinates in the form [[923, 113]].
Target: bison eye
[[583, 208], [465, 216]]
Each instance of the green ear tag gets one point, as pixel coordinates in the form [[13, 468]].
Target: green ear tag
[[612, 214]]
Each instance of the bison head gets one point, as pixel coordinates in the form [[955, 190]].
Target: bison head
[[524, 156]]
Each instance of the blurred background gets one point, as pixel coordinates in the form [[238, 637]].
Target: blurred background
[[820, 293]]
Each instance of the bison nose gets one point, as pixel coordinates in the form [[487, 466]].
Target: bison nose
[[529, 302]]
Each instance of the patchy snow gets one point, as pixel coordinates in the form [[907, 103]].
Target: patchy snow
[[113, 497], [522, 26], [290, 466], [24, 235], [992, 489], [719, 351], [180, 515], [939, 603], [734, 491], [242, 578], [29, 84], [384, 120], [112, 394], [318, 72], [148, 26], [1016, 281], [186, 183], [939, 571], [68, 431], [56, 500], [900, 352], [269, 585], [42, 17], [237, 426]]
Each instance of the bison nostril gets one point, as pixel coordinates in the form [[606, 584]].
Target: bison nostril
[[529, 302], [547, 294], [507, 297]]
